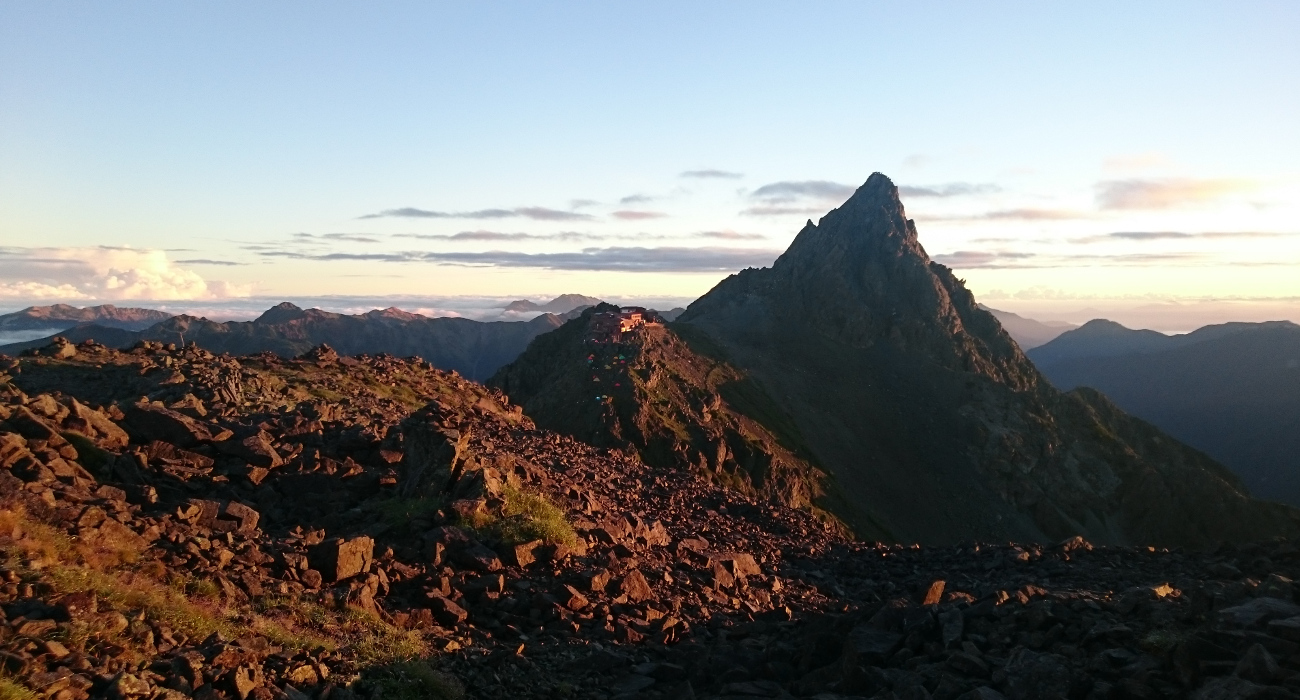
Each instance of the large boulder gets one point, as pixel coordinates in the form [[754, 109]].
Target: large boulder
[[339, 559], [147, 422], [434, 448]]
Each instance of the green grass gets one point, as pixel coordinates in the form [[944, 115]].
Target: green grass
[[377, 642], [532, 516], [526, 516]]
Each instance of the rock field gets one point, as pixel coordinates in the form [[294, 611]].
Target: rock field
[[179, 524]]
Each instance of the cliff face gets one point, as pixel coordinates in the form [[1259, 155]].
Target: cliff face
[[928, 415], [677, 408]]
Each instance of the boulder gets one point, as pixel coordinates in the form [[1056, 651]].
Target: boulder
[[339, 559], [257, 449], [146, 422]]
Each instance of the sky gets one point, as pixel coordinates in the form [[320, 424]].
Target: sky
[[1138, 161]]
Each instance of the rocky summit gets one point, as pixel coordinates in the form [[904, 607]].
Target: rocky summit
[[175, 524], [651, 393], [928, 417]]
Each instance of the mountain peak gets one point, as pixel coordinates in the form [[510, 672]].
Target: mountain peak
[[281, 313]]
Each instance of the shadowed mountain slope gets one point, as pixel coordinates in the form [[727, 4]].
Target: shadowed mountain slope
[[1232, 390], [677, 408], [929, 417]]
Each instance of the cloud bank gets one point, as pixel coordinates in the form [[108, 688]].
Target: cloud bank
[[103, 273]]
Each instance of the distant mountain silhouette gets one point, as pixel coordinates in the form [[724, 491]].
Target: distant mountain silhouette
[[37, 321], [559, 305], [476, 349], [1232, 390], [1027, 332]]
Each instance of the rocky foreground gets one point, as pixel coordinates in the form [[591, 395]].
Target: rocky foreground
[[178, 524]]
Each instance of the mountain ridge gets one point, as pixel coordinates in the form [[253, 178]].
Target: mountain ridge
[[930, 417], [474, 348], [1232, 390]]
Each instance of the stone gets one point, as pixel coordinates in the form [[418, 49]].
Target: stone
[[867, 645], [339, 559], [479, 558], [573, 599], [257, 449], [107, 433], [1258, 611], [446, 612], [146, 422], [594, 581], [242, 514], [1257, 665], [522, 554], [1276, 586], [635, 587], [127, 685], [1036, 676], [934, 594], [245, 679]]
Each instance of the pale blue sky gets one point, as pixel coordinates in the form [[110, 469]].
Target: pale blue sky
[[224, 132]]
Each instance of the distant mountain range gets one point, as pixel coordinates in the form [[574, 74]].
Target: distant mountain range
[[1232, 390], [39, 321], [562, 304], [476, 349], [1027, 332]]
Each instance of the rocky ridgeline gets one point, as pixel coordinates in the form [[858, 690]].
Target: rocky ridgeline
[[178, 524]]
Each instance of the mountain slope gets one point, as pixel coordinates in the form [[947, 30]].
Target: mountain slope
[[1027, 332], [474, 348], [675, 407], [931, 419], [1231, 390]]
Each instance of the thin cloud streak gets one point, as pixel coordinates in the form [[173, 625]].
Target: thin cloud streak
[[710, 174], [951, 189], [520, 236], [791, 190], [1177, 236], [1012, 215], [535, 213], [206, 261], [613, 259], [731, 235], [781, 211], [1002, 260], [632, 215]]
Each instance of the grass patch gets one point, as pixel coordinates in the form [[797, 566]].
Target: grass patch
[[413, 680], [526, 516], [377, 642], [13, 690]]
